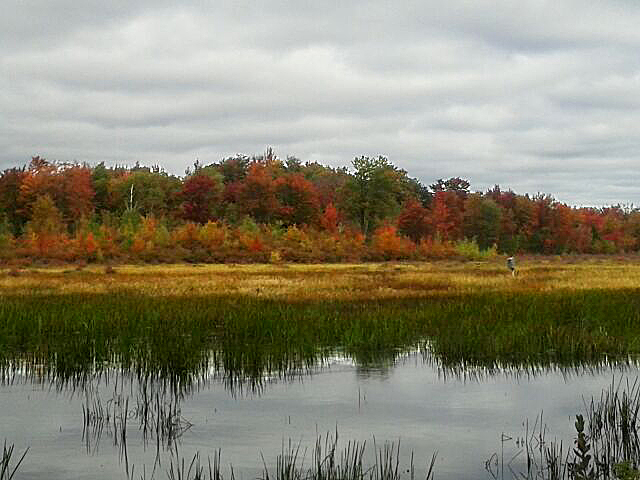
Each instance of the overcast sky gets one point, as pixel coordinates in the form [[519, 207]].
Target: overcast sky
[[537, 96]]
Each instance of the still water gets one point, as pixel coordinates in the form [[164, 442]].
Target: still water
[[76, 432]]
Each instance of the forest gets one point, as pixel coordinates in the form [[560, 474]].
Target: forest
[[267, 209]]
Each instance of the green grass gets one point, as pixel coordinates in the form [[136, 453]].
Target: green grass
[[247, 336]]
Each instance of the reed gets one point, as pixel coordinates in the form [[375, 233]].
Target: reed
[[8, 471], [174, 337], [327, 462], [606, 443], [173, 322]]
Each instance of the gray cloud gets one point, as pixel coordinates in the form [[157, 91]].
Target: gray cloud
[[539, 96]]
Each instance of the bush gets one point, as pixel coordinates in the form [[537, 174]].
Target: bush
[[436, 248], [388, 245], [469, 249]]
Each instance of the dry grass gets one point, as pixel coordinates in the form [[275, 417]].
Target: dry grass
[[331, 282]]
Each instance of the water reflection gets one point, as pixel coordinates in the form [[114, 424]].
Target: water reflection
[[144, 413], [243, 373]]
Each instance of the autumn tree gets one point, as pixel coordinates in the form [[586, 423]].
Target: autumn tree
[[330, 218], [562, 229], [447, 206], [509, 237], [200, 195], [413, 221], [481, 221], [329, 182], [41, 178], [46, 217], [77, 192], [298, 200], [255, 195], [540, 239], [446, 214]]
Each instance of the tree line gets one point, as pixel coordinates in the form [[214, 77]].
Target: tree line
[[264, 208]]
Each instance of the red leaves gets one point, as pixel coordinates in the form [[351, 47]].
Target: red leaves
[[414, 220], [329, 219], [255, 195], [48, 208], [298, 199], [199, 194], [446, 215], [77, 192]]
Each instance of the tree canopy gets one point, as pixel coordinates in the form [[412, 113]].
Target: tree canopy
[[372, 203]]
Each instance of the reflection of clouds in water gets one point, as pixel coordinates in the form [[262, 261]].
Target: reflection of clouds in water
[[251, 375], [461, 416]]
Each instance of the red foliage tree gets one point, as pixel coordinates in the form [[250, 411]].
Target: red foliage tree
[[329, 219], [77, 192], [199, 195], [41, 178], [446, 215], [414, 220], [255, 195], [298, 199]]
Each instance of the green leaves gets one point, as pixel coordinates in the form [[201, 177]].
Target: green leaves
[[374, 192]]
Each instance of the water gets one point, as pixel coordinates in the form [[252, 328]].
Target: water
[[412, 400]]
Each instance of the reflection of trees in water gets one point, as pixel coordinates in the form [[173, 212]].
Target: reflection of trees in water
[[123, 399]]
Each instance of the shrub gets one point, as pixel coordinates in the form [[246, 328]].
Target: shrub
[[435, 248], [470, 250], [388, 245]]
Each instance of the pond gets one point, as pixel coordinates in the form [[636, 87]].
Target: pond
[[115, 423]]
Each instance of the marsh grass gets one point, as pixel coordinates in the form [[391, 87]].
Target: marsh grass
[[326, 462], [178, 337], [174, 337], [251, 321], [156, 413], [171, 325], [606, 444]]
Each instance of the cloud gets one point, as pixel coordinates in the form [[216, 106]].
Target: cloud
[[537, 96]]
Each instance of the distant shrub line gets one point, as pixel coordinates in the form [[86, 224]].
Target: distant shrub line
[[149, 241]]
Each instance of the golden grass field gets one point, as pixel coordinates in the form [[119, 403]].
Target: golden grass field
[[296, 282]]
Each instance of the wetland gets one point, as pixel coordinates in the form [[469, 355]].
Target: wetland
[[256, 371]]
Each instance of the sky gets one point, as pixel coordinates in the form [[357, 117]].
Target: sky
[[536, 96]]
